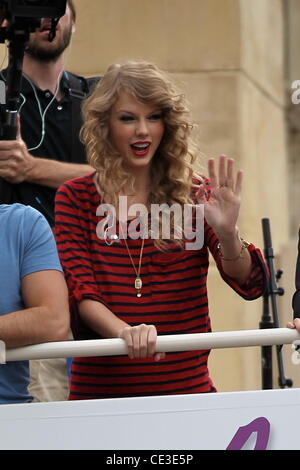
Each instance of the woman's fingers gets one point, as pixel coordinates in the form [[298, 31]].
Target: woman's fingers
[[159, 356], [127, 336], [141, 341], [226, 176], [230, 174], [222, 171], [212, 173], [136, 339], [144, 346], [238, 184], [152, 337]]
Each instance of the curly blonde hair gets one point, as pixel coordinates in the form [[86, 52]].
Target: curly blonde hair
[[172, 165]]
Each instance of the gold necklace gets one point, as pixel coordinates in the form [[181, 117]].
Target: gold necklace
[[138, 281]]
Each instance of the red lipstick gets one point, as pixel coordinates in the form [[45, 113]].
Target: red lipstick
[[140, 149]]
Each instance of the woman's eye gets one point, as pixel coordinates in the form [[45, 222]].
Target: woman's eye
[[155, 117], [126, 118]]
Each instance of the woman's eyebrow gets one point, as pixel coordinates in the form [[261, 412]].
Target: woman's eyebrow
[[124, 111]]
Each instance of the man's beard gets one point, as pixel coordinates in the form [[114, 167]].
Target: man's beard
[[44, 54]]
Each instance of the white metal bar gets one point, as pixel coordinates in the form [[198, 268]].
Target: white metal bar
[[169, 343]]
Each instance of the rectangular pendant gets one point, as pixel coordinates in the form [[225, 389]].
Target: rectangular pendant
[[138, 283]]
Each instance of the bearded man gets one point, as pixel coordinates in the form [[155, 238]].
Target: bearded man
[[47, 151]]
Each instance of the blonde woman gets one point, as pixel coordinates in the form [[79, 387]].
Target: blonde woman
[[126, 278]]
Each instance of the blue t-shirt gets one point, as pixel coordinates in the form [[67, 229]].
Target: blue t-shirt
[[27, 245]]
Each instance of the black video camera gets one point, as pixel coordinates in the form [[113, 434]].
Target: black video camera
[[32, 9], [19, 18], [24, 16]]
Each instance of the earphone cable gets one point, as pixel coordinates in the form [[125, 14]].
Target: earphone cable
[[43, 114]]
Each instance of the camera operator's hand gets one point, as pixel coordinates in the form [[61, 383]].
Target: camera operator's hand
[[15, 160]]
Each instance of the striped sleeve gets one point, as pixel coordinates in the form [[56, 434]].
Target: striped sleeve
[[257, 281], [256, 284], [71, 233]]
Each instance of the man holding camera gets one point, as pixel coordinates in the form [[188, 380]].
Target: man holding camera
[[47, 151]]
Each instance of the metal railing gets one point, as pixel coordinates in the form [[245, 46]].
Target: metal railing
[[167, 343]]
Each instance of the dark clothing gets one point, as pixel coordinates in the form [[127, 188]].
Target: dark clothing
[[61, 142], [296, 298]]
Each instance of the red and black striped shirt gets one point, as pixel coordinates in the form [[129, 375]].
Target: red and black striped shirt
[[174, 299]]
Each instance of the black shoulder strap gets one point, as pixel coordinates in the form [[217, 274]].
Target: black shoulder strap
[[79, 89]]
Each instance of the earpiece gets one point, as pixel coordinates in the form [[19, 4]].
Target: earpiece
[[110, 239]]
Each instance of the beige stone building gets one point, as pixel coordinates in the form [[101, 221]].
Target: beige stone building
[[236, 60]]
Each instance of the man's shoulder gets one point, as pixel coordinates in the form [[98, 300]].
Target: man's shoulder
[[19, 221], [17, 211]]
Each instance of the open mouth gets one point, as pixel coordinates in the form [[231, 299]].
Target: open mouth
[[140, 149], [141, 146]]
